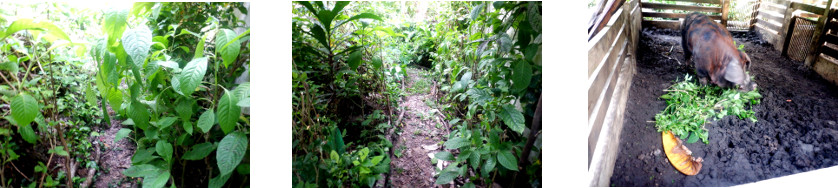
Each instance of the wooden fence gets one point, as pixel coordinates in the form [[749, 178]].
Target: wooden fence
[[611, 64], [717, 7]]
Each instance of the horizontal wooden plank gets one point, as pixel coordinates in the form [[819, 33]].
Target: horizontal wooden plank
[[596, 118], [774, 1], [602, 72], [806, 7], [664, 24], [832, 27], [829, 51], [681, 7], [831, 38], [770, 16], [700, 1], [601, 44], [772, 7], [770, 24], [673, 15]]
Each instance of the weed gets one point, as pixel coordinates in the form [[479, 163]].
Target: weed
[[690, 105]]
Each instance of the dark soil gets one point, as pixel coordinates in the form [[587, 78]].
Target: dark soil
[[796, 129]]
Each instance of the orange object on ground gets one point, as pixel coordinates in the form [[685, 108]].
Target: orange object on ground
[[679, 155]]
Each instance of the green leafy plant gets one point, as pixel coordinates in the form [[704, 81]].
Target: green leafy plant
[[690, 106]]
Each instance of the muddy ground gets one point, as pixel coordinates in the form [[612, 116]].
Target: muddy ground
[[796, 129]]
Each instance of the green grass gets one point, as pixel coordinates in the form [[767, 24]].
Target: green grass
[[689, 105]]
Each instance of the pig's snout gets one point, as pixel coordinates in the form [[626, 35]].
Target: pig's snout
[[748, 86]]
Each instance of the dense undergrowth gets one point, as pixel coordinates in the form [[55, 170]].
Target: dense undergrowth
[[349, 62], [168, 71]]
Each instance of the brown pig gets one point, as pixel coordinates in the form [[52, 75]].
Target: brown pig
[[710, 46]]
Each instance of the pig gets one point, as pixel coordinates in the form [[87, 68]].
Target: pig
[[710, 47]]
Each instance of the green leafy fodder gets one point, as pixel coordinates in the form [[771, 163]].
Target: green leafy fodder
[[689, 106]]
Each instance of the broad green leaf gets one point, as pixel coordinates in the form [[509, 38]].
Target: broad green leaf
[[187, 126], [122, 133], [228, 112], [29, 24], [355, 59], [157, 180], [166, 122], [137, 43], [143, 155], [318, 33], [199, 50], [376, 63], [4, 131], [114, 98], [242, 91], [142, 170], [27, 133], [377, 159], [336, 141], [693, 138], [513, 118], [360, 16], [191, 76], [508, 160], [505, 43], [334, 156], [219, 181], [230, 52], [476, 11], [534, 16], [231, 150], [488, 166], [24, 109], [184, 108], [521, 76], [109, 68], [58, 150], [199, 151], [446, 177], [206, 121], [457, 143], [325, 17], [115, 23], [444, 155], [90, 95], [164, 149], [139, 114]]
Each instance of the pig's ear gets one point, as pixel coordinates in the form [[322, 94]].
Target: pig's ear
[[734, 72], [746, 59]]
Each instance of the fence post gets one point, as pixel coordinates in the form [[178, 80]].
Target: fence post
[[817, 40], [725, 7], [754, 15], [784, 32]]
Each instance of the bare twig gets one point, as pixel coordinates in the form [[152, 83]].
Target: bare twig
[[18, 171]]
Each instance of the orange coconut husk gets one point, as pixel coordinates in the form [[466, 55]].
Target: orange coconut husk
[[679, 155]]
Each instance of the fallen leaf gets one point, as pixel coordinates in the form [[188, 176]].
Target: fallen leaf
[[679, 155], [788, 100]]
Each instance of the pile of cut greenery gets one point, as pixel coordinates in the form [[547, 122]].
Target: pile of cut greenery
[[689, 105]]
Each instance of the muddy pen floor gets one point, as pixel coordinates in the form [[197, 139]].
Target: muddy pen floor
[[796, 129]]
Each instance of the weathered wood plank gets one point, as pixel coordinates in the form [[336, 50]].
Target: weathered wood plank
[[597, 81], [718, 2], [772, 7], [662, 24], [681, 7], [608, 142], [674, 15], [770, 24], [600, 45], [827, 68], [817, 40], [596, 119], [829, 51], [787, 18], [778, 17], [807, 8]]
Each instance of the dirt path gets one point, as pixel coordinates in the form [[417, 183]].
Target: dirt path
[[796, 129], [113, 157], [421, 134]]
